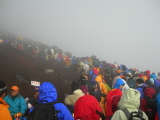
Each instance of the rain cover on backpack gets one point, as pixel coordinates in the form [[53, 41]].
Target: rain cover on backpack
[[113, 95], [85, 108], [148, 103]]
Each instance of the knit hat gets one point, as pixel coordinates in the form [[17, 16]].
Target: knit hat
[[3, 86], [71, 99], [139, 81]]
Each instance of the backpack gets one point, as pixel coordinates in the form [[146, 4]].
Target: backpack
[[87, 108], [94, 90], [134, 115], [75, 84], [148, 102], [112, 99], [44, 111], [150, 98], [115, 101]]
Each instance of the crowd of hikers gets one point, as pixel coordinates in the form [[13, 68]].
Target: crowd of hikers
[[130, 97], [103, 91]]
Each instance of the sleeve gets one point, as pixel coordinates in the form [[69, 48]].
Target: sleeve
[[64, 113], [23, 106]]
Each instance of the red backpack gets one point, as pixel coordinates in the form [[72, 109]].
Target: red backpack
[[112, 99], [148, 103], [115, 101], [86, 108]]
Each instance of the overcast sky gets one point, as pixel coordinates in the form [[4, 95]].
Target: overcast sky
[[125, 31]]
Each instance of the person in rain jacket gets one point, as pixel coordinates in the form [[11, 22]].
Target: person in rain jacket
[[115, 79], [140, 84], [129, 100], [119, 84], [4, 112], [103, 90], [48, 92], [17, 104]]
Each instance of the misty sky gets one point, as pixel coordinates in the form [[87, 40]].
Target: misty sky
[[125, 31]]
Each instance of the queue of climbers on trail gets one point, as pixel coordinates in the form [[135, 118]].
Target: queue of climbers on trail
[[129, 97], [103, 91]]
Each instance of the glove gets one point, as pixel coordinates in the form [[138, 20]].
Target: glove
[[29, 106], [17, 114]]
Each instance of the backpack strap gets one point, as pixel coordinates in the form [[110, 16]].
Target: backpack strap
[[127, 113], [101, 115], [140, 113]]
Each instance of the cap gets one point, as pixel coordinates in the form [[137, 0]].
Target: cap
[[3, 86], [36, 88], [14, 88]]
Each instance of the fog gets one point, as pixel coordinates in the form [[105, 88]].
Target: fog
[[124, 31]]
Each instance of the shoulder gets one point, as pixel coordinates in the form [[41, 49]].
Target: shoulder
[[4, 110], [119, 115], [60, 106], [7, 97], [20, 97]]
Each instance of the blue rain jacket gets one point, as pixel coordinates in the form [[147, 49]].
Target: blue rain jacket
[[47, 92], [118, 83], [140, 89], [153, 76]]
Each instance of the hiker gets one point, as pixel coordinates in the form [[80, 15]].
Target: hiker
[[115, 78], [17, 104], [94, 75], [131, 83], [129, 105], [119, 84], [150, 84], [158, 76], [4, 112], [33, 101], [140, 84], [112, 99], [48, 95], [103, 91], [152, 78], [86, 68], [148, 102], [87, 108], [82, 80], [70, 100]]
